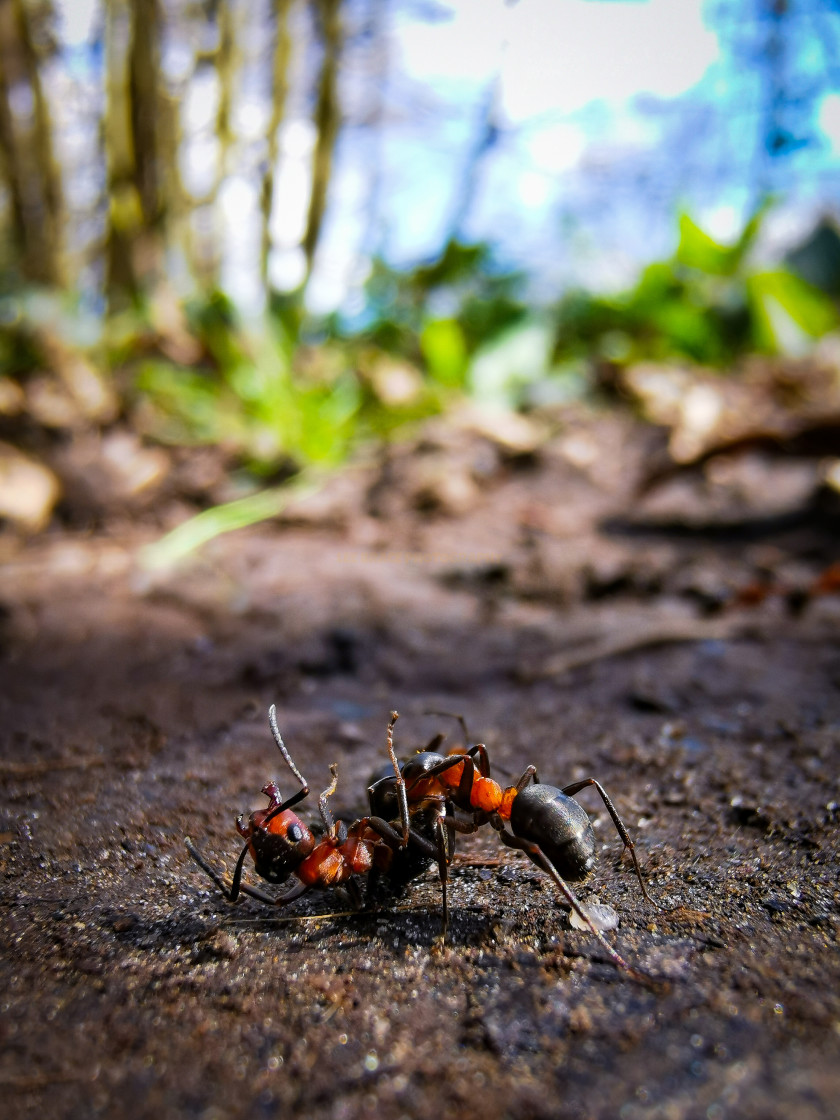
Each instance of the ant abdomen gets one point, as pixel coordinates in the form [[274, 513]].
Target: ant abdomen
[[559, 825]]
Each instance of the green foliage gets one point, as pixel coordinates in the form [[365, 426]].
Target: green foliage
[[190, 535], [463, 286], [697, 250], [444, 349], [188, 406], [708, 304], [289, 396], [249, 396], [787, 312]]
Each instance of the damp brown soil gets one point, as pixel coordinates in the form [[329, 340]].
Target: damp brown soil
[[672, 650]]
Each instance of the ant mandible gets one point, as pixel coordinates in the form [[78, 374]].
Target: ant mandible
[[546, 823], [282, 846]]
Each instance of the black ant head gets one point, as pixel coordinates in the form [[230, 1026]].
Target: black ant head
[[415, 771], [279, 841], [382, 793]]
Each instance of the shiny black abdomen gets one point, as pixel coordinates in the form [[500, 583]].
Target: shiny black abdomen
[[547, 817]]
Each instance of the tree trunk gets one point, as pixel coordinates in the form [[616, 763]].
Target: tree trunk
[[27, 153], [227, 63], [125, 215], [137, 210], [279, 92], [327, 119]]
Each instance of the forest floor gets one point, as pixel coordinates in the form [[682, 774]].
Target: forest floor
[[671, 647]]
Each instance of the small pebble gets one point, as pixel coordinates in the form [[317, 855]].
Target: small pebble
[[603, 917]]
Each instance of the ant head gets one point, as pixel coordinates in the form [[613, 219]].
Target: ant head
[[420, 764], [279, 841], [382, 795], [416, 772]]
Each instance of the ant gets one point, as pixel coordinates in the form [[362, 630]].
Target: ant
[[429, 816], [546, 823], [282, 846]]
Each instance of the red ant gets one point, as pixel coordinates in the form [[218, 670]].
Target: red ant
[[546, 823], [282, 846]]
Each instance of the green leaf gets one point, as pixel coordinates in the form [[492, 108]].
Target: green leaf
[[698, 250], [787, 312], [189, 536], [445, 350]]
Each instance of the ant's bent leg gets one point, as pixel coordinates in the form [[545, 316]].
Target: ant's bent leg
[[576, 787], [535, 854], [355, 893], [479, 751], [237, 887], [439, 738], [465, 784], [394, 837], [529, 773], [442, 838], [231, 892]]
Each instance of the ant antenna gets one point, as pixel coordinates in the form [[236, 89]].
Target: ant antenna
[[323, 807], [454, 715], [404, 817], [281, 746]]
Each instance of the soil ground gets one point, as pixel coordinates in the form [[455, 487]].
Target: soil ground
[[532, 594]]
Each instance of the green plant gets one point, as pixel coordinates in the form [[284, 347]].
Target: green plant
[[709, 303]]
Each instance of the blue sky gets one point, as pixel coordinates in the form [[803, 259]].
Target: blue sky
[[611, 115], [607, 117]]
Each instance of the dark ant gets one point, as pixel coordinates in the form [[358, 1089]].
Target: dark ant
[[282, 846], [419, 796], [546, 823], [429, 816]]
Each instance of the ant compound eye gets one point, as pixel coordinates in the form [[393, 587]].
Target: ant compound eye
[[295, 833]]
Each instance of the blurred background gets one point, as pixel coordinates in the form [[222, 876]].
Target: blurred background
[[283, 230]]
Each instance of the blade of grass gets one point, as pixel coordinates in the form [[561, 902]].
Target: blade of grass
[[191, 535]]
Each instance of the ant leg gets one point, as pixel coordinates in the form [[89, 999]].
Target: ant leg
[[231, 893], [477, 750], [529, 773], [480, 751], [355, 892], [576, 787], [394, 836], [434, 744], [237, 887], [466, 828], [452, 715], [439, 850], [535, 854], [443, 848], [467, 775]]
